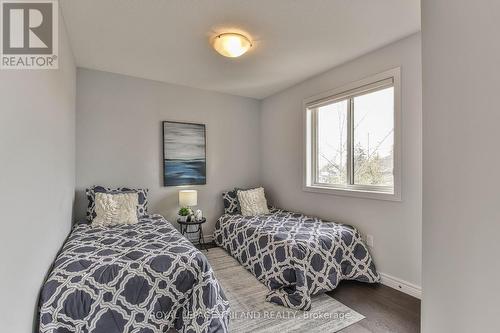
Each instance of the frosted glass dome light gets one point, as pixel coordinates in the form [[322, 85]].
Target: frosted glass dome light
[[231, 45]]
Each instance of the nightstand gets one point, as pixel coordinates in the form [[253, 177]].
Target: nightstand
[[184, 230]]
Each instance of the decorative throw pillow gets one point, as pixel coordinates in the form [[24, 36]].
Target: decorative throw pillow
[[253, 202], [118, 208], [142, 207], [236, 189], [231, 202]]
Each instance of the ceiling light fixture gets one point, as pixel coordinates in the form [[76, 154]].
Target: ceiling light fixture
[[231, 44]]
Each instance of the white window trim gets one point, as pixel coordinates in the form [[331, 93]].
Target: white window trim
[[359, 191]]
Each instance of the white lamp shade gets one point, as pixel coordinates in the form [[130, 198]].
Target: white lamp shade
[[188, 198]]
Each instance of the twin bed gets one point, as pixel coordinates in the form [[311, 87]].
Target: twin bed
[[294, 255], [146, 277]]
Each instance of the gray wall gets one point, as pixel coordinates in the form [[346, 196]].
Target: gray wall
[[37, 178], [396, 226], [119, 139], [461, 206]]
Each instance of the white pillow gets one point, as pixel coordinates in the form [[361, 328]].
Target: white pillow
[[253, 202], [114, 209]]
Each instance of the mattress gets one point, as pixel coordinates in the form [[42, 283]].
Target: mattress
[[294, 255], [144, 277]]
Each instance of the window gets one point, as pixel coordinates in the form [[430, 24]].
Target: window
[[352, 139]]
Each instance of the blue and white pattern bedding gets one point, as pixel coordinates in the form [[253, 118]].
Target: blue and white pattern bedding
[[139, 278], [294, 255], [231, 204]]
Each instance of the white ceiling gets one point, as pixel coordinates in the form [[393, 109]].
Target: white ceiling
[[168, 40]]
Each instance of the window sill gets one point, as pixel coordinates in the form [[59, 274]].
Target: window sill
[[354, 193]]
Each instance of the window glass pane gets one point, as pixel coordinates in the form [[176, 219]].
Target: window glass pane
[[332, 143], [373, 123]]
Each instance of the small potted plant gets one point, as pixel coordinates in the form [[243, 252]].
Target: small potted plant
[[185, 213]]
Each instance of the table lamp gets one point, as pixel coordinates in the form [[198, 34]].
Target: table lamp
[[188, 198]]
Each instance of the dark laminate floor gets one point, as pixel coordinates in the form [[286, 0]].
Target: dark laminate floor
[[386, 309]]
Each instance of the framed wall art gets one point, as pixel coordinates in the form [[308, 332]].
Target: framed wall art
[[184, 154]]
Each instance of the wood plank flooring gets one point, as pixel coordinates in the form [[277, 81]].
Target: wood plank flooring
[[385, 309]]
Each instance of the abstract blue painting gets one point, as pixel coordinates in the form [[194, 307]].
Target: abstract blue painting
[[184, 154]]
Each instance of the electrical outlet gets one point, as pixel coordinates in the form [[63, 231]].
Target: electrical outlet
[[369, 240]]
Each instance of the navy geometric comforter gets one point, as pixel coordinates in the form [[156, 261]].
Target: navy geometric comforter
[[294, 255], [140, 278]]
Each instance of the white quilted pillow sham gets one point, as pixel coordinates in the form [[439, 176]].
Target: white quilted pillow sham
[[253, 202], [112, 209]]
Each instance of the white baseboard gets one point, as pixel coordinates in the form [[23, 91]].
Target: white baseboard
[[401, 285]]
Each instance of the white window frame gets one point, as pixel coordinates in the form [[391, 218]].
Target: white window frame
[[388, 78]]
